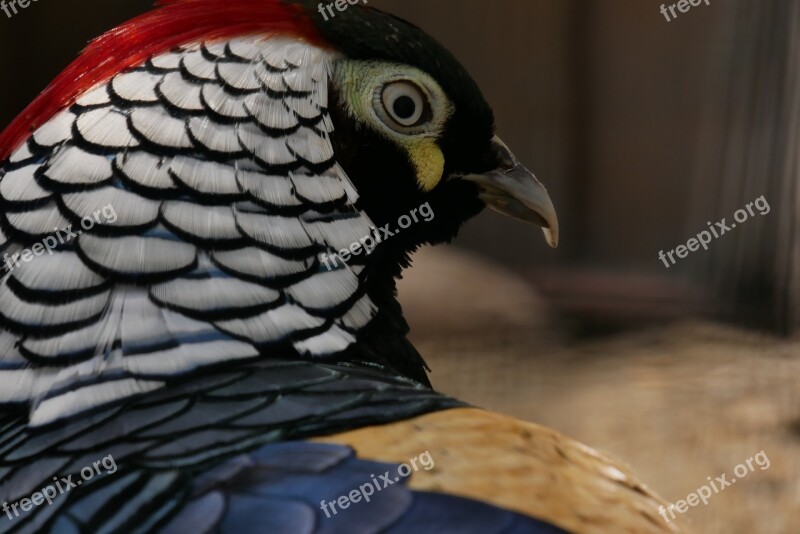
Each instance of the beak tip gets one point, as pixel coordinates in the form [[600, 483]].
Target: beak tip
[[551, 236], [513, 190]]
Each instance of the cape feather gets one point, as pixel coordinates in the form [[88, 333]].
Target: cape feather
[[173, 23]]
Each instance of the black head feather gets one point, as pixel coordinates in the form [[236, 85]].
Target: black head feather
[[378, 168], [383, 174]]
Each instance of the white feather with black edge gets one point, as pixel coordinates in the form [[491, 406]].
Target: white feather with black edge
[[217, 161]]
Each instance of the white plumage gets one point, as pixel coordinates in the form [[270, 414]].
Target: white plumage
[[157, 126], [273, 326], [216, 137], [207, 223], [20, 185], [205, 177], [146, 170], [37, 222], [105, 128], [129, 209], [217, 160], [181, 93], [56, 131], [136, 87], [218, 100], [133, 255], [74, 166]]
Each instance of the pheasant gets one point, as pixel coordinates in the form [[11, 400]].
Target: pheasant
[[204, 217]]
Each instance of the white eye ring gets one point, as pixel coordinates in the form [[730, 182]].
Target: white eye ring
[[405, 103]]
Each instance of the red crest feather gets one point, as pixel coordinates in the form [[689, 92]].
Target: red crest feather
[[173, 23]]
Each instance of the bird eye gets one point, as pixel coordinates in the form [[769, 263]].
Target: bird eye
[[405, 103]]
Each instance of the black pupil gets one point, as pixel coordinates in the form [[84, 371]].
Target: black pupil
[[404, 107]]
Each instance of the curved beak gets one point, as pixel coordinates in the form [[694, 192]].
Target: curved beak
[[513, 190]]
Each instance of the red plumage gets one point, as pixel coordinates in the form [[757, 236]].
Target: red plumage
[[175, 22]]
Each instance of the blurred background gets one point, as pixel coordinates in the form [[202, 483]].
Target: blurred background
[[644, 131]]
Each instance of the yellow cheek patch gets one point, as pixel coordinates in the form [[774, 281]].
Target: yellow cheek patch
[[428, 160]]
